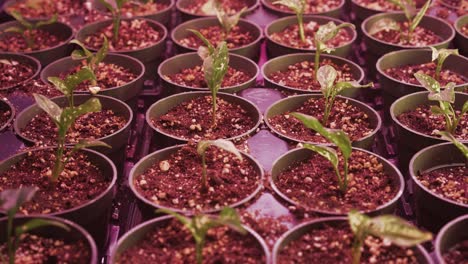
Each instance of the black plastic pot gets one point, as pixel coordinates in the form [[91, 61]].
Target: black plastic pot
[[7, 105], [162, 16], [189, 60], [363, 12], [461, 40], [125, 92], [450, 235], [22, 59], [251, 50], [299, 154], [139, 232], [295, 233], [283, 62], [434, 210], [46, 56], [335, 12], [275, 48], [163, 106], [292, 102], [185, 15]]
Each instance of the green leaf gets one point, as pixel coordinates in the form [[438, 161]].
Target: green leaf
[[107, 5], [219, 143], [184, 220], [443, 54], [210, 7], [51, 108], [120, 3], [12, 199], [202, 38], [445, 95], [357, 220], [52, 20], [37, 223], [216, 66], [228, 22], [340, 86], [326, 152], [297, 6], [326, 76], [19, 30], [417, 19], [84, 53], [229, 217], [330, 30], [464, 108], [428, 82], [448, 136], [68, 85], [386, 24], [85, 143], [17, 15], [102, 52], [436, 110], [434, 54], [69, 115]]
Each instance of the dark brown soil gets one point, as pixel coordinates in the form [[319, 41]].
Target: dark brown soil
[[353, 121], [193, 120], [230, 6], [83, 16], [269, 228], [37, 249], [290, 37], [237, 38], [14, 42], [79, 182], [384, 5], [332, 244], [424, 121], [457, 254], [89, 126], [195, 77], [172, 243], [5, 114], [140, 8], [421, 37], [133, 34], [406, 74], [29, 87], [45, 9], [450, 182], [313, 6], [452, 2], [313, 183], [302, 75], [13, 73], [176, 182]]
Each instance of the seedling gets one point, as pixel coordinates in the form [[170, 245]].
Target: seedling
[[446, 98], [463, 149], [210, 7], [219, 143], [92, 60], [298, 7], [26, 28], [199, 225], [10, 202], [441, 55], [229, 22], [116, 15], [387, 227], [338, 138]]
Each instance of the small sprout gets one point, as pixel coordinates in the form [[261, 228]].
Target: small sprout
[[219, 143], [441, 55], [448, 136], [338, 138], [298, 7], [199, 225], [211, 7], [27, 27], [92, 60], [116, 15], [229, 22], [387, 227], [67, 86]]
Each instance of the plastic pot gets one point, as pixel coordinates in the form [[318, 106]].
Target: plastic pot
[[299, 154], [335, 12], [450, 235], [276, 49], [22, 59], [283, 62], [181, 6], [461, 40], [139, 232], [125, 92], [189, 60], [298, 231], [251, 50], [163, 16], [434, 210], [363, 12], [46, 56], [8, 106], [288, 104]]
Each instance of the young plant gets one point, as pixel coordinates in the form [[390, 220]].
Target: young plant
[[445, 97], [92, 60], [387, 227], [211, 7], [338, 138], [116, 15], [199, 225], [219, 143], [229, 22], [27, 27], [298, 7], [441, 55], [462, 147], [10, 202]]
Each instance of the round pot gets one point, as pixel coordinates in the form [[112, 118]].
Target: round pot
[[363, 12], [295, 233], [461, 40], [300, 154], [409, 140], [251, 50], [189, 60], [125, 92], [434, 210], [275, 48], [451, 234], [181, 6], [76, 232], [148, 207], [139, 232], [292, 102], [5, 104], [335, 12], [22, 59], [164, 105], [46, 56], [163, 16], [283, 62]]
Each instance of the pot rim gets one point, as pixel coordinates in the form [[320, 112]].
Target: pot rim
[[267, 4], [440, 235], [457, 25], [35, 63], [185, 12], [12, 116]]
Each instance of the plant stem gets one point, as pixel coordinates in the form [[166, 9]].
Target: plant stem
[[204, 186], [11, 253], [438, 70], [357, 243], [199, 251], [116, 25], [58, 166], [345, 177], [301, 27], [317, 58], [213, 103]]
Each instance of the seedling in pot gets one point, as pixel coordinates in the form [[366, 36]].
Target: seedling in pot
[[463, 149], [27, 27], [10, 203], [298, 7], [229, 22], [116, 15], [388, 227], [219, 143], [211, 7], [441, 55]]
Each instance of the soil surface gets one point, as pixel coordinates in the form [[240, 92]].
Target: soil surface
[[37, 249], [45, 8], [236, 38], [290, 36], [424, 121], [312, 6], [353, 121], [332, 244], [133, 34], [79, 183], [420, 37], [457, 254], [231, 7], [450, 182], [301, 75], [313, 183], [173, 243], [5, 114], [269, 228], [140, 8], [193, 120], [29, 87], [14, 72], [384, 5], [15, 42], [176, 181]]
